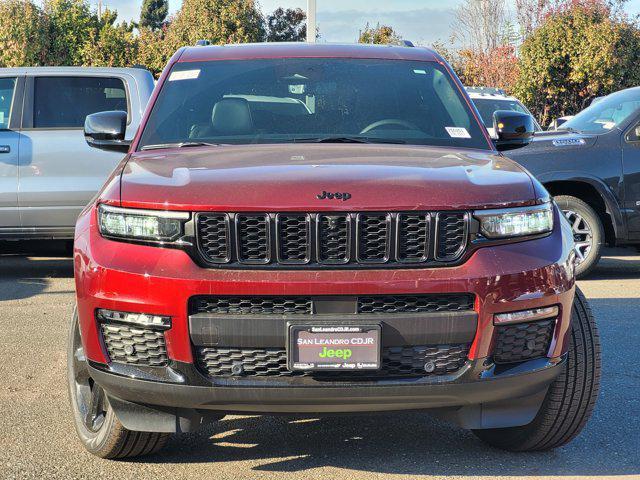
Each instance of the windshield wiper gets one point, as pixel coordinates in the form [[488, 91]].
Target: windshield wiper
[[346, 139], [180, 145]]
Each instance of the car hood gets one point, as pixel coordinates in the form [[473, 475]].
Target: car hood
[[559, 141], [290, 177]]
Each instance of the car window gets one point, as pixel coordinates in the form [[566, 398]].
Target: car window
[[7, 88], [487, 106], [65, 102], [302, 99], [607, 114]]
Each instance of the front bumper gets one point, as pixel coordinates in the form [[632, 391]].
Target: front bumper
[[511, 277]]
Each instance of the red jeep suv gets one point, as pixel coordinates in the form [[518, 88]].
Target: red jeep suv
[[316, 230]]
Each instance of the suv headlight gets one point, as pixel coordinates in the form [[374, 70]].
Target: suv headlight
[[142, 225], [516, 222]]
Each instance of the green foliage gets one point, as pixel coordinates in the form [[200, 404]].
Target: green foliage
[[152, 50], [579, 52], [219, 21], [154, 13], [287, 25], [112, 45], [381, 34], [23, 34], [71, 25]]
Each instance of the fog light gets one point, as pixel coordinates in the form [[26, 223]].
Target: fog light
[[525, 315], [140, 319]]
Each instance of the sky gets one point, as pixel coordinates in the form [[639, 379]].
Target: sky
[[422, 21]]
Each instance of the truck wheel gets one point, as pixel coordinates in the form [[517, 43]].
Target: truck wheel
[[99, 430], [570, 398], [588, 232]]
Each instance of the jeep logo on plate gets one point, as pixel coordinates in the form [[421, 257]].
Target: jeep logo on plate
[[344, 196]]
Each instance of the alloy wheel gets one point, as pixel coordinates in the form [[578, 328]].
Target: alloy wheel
[[88, 396], [582, 235]]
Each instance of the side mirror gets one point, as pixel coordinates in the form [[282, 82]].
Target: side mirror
[[106, 130], [513, 129]]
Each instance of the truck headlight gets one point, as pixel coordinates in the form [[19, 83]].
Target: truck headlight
[[134, 224], [516, 222]]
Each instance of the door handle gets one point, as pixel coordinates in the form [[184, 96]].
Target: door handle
[[5, 149]]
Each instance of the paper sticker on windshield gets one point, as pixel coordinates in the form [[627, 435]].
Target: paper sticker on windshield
[[184, 75], [457, 132]]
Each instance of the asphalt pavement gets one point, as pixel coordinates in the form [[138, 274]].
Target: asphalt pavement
[[37, 439]]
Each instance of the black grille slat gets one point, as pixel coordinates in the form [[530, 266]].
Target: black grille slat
[[250, 305], [133, 345], [523, 341], [397, 362], [415, 303], [294, 239], [451, 235], [253, 238], [373, 238], [334, 239], [214, 237], [413, 237]]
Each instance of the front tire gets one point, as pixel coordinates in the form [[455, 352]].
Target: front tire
[[571, 397], [98, 428], [588, 232]]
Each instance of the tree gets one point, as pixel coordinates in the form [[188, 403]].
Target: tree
[[381, 34], [496, 68], [219, 21], [23, 34], [111, 45], [530, 13], [154, 13], [152, 49], [483, 25], [584, 49], [71, 24], [287, 25]]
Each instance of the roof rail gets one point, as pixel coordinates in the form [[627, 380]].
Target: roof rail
[[407, 43], [203, 43]]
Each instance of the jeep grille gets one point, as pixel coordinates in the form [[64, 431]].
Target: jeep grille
[[372, 239]]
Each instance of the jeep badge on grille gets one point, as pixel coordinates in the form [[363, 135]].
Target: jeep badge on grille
[[344, 196]]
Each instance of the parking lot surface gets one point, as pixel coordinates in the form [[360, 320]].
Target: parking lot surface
[[37, 439]]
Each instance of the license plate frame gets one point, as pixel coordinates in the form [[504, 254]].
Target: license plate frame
[[360, 359]]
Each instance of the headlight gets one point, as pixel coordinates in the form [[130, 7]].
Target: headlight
[[133, 224], [516, 222]]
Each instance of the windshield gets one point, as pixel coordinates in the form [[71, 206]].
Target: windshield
[[486, 107], [307, 100], [606, 114]]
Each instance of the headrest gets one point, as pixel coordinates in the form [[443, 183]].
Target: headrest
[[232, 116]]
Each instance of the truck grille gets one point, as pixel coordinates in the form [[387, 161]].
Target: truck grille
[[375, 239], [409, 361], [523, 341], [281, 305]]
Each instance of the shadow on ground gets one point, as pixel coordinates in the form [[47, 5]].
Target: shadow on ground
[[27, 267]]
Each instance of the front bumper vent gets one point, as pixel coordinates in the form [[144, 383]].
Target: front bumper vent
[[523, 341], [133, 345], [397, 362]]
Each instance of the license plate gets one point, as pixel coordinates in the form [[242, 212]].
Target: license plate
[[334, 347]]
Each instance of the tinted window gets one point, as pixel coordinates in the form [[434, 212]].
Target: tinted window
[[486, 107], [606, 114], [298, 100], [66, 101], [7, 87]]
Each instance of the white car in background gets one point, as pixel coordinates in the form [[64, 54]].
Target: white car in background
[[487, 100]]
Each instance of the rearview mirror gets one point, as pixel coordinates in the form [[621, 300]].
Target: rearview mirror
[[106, 130], [513, 129]]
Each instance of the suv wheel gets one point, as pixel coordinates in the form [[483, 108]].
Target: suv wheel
[[588, 232], [99, 430], [570, 398]]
